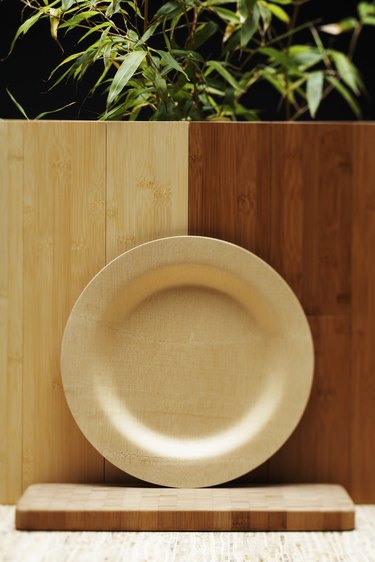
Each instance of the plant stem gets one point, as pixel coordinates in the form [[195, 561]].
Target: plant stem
[[292, 25], [354, 40], [303, 110], [145, 15]]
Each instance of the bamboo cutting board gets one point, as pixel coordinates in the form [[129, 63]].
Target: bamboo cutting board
[[86, 507]]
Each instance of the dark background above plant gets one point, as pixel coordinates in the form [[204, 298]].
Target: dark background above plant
[[25, 73]]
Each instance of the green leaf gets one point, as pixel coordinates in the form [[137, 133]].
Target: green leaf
[[171, 62], [305, 56], [284, 2], [265, 15], [113, 8], [147, 34], [94, 29], [161, 86], [314, 91], [73, 22], [346, 94], [220, 69], [347, 71], [249, 27], [369, 20], [129, 66], [24, 28], [227, 15], [169, 9], [192, 55], [279, 57], [44, 113], [245, 7], [66, 4], [203, 33], [278, 12], [17, 104], [276, 80], [365, 9], [342, 26]]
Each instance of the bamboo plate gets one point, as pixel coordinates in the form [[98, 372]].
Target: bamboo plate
[[187, 361]]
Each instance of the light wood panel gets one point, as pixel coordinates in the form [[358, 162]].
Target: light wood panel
[[271, 508], [11, 301], [147, 184], [64, 246], [363, 317], [147, 194]]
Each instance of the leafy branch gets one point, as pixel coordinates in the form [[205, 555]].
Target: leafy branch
[[200, 59]]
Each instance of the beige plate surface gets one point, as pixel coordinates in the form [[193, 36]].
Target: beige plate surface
[[187, 361]]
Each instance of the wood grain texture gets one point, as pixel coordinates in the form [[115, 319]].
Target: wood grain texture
[[229, 177], [272, 508], [64, 246], [312, 183], [11, 302], [319, 449], [304, 178], [147, 194], [311, 213], [147, 183], [363, 318]]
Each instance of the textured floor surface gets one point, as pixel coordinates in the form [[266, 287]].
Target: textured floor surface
[[350, 546]]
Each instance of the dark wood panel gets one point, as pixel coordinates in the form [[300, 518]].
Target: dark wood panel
[[318, 450], [363, 319], [312, 174], [312, 217], [229, 177]]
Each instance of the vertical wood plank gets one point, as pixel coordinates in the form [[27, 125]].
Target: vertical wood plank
[[363, 319], [147, 183], [312, 182], [64, 246], [11, 311], [312, 177], [229, 193], [318, 450], [147, 194], [229, 175]]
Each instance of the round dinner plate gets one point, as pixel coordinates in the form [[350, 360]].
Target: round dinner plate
[[187, 361]]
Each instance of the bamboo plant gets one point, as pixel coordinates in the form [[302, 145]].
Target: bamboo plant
[[200, 59]]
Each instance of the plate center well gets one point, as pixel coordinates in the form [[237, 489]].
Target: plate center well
[[188, 361]]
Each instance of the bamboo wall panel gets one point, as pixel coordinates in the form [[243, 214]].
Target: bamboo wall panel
[[147, 185], [302, 223], [229, 178], [363, 317], [64, 246], [311, 213], [11, 300], [147, 194], [311, 238], [75, 195], [319, 449]]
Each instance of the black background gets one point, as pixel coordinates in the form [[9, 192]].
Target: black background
[[25, 73]]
